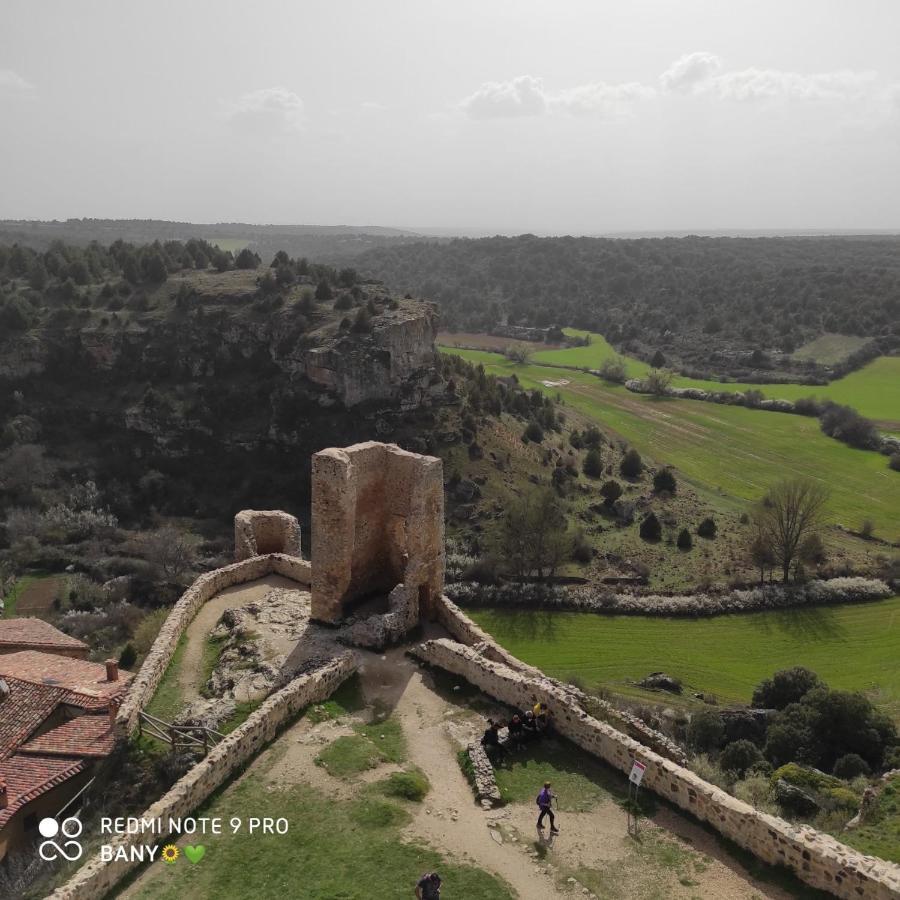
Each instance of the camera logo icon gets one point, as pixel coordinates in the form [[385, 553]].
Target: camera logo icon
[[69, 849]]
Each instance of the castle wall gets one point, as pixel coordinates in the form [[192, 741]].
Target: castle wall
[[96, 878], [259, 532], [816, 858]]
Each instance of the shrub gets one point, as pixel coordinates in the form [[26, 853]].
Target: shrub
[[757, 791], [850, 766], [894, 462], [533, 432], [785, 687], [247, 259], [593, 463], [706, 731], [845, 424], [664, 480], [323, 290], [709, 771], [707, 528], [128, 656], [651, 529], [632, 465], [867, 529], [593, 437], [739, 756], [685, 541], [614, 370], [611, 491], [411, 785], [362, 324]]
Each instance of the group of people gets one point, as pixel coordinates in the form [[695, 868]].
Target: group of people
[[523, 727]]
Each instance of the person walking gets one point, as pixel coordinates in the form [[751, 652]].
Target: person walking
[[544, 801], [428, 887]]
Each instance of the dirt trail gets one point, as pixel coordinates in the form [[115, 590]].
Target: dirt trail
[[503, 841], [191, 671]]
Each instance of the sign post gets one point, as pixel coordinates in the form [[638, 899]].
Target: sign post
[[634, 783]]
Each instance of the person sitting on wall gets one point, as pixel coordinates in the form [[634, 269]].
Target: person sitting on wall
[[490, 740], [529, 726], [516, 733], [541, 717]]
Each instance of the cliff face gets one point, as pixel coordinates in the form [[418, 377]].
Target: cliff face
[[219, 388]]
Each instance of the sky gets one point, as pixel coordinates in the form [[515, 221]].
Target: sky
[[561, 117]]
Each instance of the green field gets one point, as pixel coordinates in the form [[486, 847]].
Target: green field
[[235, 245], [873, 390], [830, 349], [730, 450], [851, 647]]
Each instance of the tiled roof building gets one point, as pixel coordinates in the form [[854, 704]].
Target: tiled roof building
[[36, 634], [56, 720]]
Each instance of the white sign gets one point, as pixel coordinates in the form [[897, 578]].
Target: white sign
[[637, 773]]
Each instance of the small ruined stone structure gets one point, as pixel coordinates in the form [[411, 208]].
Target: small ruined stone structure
[[378, 528], [258, 532]]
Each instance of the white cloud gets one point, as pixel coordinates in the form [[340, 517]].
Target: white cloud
[[527, 96], [523, 96], [274, 110], [608, 99], [692, 72], [13, 83], [762, 84]]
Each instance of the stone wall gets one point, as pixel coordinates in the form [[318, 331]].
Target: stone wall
[[485, 783], [259, 532], [96, 878], [378, 514], [817, 859], [448, 614], [204, 588]]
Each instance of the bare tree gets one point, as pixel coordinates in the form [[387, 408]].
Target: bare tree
[[658, 381], [614, 369], [759, 547], [788, 517], [520, 354], [171, 551], [533, 534]]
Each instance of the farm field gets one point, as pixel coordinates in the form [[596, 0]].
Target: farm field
[[830, 349], [852, 647], [32, 595], [729, 450], [873, 390]]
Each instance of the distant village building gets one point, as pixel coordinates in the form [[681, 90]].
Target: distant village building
[[36, 634], [56, 720]]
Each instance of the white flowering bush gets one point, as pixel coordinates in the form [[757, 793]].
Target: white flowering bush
[[769, 596]]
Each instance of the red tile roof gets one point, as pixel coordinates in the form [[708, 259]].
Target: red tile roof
[[36, 634], [87, 735], [27, 777], [26, 707], [76, 675]]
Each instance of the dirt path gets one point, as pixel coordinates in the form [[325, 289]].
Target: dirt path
[[191, 671]]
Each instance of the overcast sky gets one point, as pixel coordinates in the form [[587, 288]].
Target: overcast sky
[[550, 117]]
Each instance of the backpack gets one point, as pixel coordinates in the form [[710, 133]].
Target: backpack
[[543, 800]]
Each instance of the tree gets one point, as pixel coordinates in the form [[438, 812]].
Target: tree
[[37, 275], [154, 267], [614, 370], [664, 480], [789, 516], [171, 551], [520, 354], [532, 535], [706, 731], [759, 549], [362, 324], [247, 259], [128, 656], [738, 756], [611, 491], [632, 465], [707, 528], [651, 529], [658, 360], [658, 381], [785, 687], [685, 541], [323, 290], [533, 432], [593, 463]]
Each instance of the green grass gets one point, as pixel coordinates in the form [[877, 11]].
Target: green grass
[[410, 785], [348, 698], [373, 744], [830, 349], [9, 601], [334, 850], [881, 835], [212, 651], [167, 700], [580, 781], [232, 244], [873, 390], [852, 647], [729, 449]]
